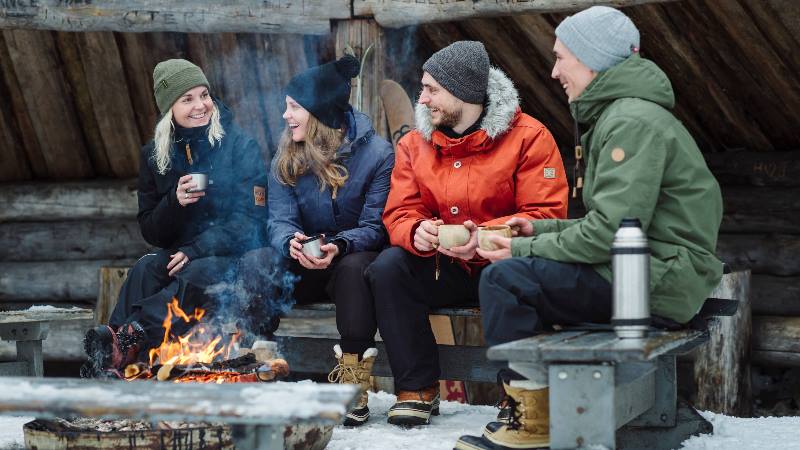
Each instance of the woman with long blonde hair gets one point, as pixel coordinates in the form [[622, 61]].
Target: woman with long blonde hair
[[202, 203], [327, 188]]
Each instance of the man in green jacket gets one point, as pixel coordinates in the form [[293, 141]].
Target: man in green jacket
[[640, 162]]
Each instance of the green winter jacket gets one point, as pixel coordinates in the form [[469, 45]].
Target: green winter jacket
[[640, 162]]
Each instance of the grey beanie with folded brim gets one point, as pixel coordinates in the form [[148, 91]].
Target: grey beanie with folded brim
[[600, 37], [463, 69], [173, 78]]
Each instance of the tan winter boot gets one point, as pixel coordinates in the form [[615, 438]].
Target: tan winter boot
[[351, 370], [528, 427]]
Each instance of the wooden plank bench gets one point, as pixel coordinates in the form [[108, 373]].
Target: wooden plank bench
[[258, 412], [28, 328]]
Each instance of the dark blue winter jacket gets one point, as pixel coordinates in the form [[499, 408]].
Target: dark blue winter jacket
[[354, 216], [229, 219]]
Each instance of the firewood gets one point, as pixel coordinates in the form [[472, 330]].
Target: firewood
[[164, 372]]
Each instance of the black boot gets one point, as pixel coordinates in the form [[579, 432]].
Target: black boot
[[109, 351]]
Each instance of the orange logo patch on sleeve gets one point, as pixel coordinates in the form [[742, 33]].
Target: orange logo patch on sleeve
[[260, 195]]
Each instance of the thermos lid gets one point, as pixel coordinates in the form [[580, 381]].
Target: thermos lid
[[630, 222]]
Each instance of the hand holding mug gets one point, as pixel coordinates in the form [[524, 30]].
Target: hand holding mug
[[502, 246], [466, 251], [520, 227], [426, 238], [185, 197]]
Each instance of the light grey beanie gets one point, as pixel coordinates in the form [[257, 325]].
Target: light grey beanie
[[600, 37], [462, 68]]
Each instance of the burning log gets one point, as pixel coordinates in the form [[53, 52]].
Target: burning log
[[240, 370]]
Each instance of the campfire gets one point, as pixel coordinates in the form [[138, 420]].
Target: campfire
[[204, 356]]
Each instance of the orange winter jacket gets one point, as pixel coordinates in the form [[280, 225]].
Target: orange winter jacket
[[509, 167]]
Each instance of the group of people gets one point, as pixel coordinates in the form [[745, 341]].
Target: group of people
[[474, 158]]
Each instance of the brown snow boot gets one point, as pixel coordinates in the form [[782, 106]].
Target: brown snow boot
[[110, 351], [528, 426], [351, 370]]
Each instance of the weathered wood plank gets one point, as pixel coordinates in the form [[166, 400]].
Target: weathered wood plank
[[68, 201], [64, 342], [137, 63], [111, 280], [57, 241], [53, 280], [722, 366], [756, 168], [773, 254], [776, 334], [111, 102], [362, 35], [68, 47], [776, 296], [399, 13], [46, 93], [13, 161], [15, 101], [760, 209], [185, 16]]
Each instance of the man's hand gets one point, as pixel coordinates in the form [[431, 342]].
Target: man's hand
[[426, 238], [466, 251], [503, 249], [177, 262], [520, 227]]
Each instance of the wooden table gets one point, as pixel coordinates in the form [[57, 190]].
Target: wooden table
[[28, 328], [259, 412]]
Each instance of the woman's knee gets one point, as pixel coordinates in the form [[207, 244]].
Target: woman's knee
[[386, 265]]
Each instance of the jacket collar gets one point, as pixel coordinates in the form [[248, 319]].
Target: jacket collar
[[502, 103], [359, 130]]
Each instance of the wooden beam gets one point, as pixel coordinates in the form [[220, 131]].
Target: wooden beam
[[46, 94], [68, 201], [750, 209], [776, 340], [756, 168], [184, 16], [71, 240], [362, 35], [66, 281], [772, 254], [776, 296], [400, 13]]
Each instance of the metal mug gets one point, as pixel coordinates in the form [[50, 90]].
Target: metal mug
[[201, 180], [311, 246]]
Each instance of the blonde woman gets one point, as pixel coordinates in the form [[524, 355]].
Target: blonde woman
[[331, 177], [200, 231]]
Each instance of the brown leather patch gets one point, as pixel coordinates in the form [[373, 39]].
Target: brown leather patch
[[260, 195], [618, 154]]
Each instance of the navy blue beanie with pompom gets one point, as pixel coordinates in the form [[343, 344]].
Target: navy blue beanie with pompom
[[325, 90]]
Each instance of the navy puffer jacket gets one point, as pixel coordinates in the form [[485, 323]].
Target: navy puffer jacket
[[354, 216]]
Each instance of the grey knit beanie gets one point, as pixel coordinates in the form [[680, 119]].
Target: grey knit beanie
[[462, 68], [172, 78], [600, 37]]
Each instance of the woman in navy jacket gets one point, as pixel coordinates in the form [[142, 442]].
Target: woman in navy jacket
[[331, 176]]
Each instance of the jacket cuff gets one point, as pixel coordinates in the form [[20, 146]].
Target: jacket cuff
[[521, 246], [191, 252], [411, 248], [342, 244], [542, 226]]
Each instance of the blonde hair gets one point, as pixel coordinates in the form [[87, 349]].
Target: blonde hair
[[163, 137], [317, 154]]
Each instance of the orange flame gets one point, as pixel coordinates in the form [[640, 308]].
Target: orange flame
[[197, 346]]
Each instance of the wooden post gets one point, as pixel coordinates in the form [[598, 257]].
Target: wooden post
[[111, 279], [365, 36], [722, 367]]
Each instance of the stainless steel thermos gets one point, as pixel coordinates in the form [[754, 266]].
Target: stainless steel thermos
[[630, 257]]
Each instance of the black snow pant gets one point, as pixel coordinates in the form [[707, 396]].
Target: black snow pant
[[521, 297], [342, 283], [405, 290], [149, 289]]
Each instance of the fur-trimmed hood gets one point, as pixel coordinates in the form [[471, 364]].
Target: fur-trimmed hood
[[501, 106]]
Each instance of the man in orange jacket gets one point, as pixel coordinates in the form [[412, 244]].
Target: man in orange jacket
[[473, 159]]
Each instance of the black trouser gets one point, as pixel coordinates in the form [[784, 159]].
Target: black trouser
[[405, 290], [342, 282], [521, 297], [148, 290]]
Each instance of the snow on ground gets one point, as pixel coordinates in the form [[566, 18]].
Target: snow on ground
[[730, 433]]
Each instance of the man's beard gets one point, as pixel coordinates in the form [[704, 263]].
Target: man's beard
[[449, 119]]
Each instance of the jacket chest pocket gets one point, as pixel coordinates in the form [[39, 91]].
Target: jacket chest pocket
[[495, 200]]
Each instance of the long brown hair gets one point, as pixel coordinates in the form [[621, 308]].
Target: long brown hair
[[316, 153]]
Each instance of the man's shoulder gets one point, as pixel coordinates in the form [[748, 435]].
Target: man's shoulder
[[527, 123], [413, 139]]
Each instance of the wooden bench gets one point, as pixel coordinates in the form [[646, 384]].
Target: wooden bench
[[28, 328], [258, 412]]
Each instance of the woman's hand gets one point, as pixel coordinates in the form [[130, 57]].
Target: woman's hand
[[503, 251], [308, 261], [177, 263], [520, 227], [466, 251], [426, 237], [184, 197]]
